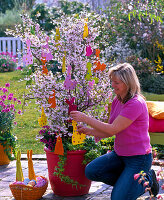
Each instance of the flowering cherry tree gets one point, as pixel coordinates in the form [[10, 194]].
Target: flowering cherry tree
[[83, 84]]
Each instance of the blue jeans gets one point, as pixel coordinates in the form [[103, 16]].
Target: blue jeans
[[118, 171]]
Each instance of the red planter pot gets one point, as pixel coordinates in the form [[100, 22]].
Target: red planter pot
[[73, 168]]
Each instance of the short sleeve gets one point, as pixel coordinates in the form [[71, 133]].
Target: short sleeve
[[132, 109]]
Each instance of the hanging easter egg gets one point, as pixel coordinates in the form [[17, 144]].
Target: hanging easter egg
[[59, 150], [52, 100], [57, 36], [88, 50], [64, 63], [76, 137], [43, 119], [89, 73], [69, 84], [97, 53], [86, 31]]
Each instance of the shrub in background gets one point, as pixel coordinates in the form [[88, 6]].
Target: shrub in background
[[7, 62], [9, 20], [44, 15], [152, 83]]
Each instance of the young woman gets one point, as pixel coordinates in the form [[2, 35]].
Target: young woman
[[129, 122]]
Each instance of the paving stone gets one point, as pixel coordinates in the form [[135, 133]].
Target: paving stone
[[98, 190]]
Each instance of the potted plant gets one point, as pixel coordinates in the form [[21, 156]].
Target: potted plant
[[7, 116], [81, 83]]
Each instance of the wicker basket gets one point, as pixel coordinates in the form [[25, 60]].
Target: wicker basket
[[25, 192]]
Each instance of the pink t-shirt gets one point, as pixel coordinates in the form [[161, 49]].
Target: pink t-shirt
[[134, 140]]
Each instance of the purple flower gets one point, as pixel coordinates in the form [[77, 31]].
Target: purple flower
[[4, 90], [10, 98], [7, 85], [14, 99], [19, 112], [11, 94], [19, 102], [11, 106], [4, 97], [7, 110]]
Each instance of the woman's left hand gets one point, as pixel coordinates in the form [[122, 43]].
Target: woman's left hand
[[78, 116]]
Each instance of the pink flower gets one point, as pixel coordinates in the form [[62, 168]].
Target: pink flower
[[146, 184], [7, 110], [159, 197], [136, 176], [158, 172], [19, 102], [19, 112], [14, 99], [162, 186], [149, 150], [15, 123], [19, 68], [10, 98], [4, 90], [11, 94], [3, 97], [7, 85], [11, 106]]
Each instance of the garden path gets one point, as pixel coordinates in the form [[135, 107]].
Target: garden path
[[98, 191]]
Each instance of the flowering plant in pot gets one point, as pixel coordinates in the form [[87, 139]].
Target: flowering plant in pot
[[7, 116], [81, 83]]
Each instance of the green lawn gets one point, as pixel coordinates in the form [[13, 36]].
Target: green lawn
[[27, 124], [27, 127]]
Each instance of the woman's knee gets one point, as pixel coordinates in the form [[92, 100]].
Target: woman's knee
[[90, 172]]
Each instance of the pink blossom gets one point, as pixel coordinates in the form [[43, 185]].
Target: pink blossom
[[162, 186], [7, 110], [140, 180], [19, 102], [4, 90], [19, 68], [19, 112], [149, 150], [10, 98], [14, 99], [4, 97], [146, 184], [158, 172], [7, 84], [11, 94], [159, 197], [136, 176], [15, 123]]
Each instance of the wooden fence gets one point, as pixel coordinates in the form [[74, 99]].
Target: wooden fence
[[12, 45]]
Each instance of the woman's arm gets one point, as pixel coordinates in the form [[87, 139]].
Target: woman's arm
[[91, 131], [108, 130]]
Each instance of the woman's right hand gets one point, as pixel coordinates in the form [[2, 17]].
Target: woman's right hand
[[83, 129]]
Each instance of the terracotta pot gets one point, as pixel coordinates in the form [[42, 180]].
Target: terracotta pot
[[73, 168], [4, 160]]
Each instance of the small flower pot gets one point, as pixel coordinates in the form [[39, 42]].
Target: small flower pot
[[73, 168], [4, 160]]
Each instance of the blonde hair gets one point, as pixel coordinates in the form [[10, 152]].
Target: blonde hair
[[126, 73]]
